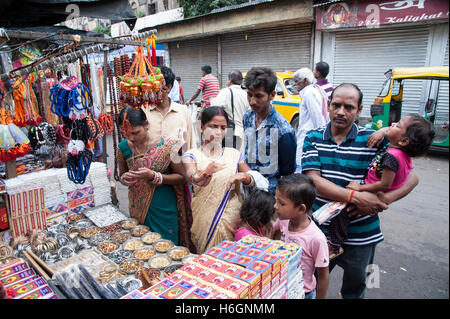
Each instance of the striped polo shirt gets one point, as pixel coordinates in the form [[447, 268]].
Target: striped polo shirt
[[342, 164], [209, 85]]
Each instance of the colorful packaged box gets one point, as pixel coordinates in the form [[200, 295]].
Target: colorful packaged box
[[226, 244], [27, 288], [199, 294], [255, 293], [214, 251], [279, 293], [57, 218], [160, 287], [3, 219], [264, 246], [227, 255], [253, 252], [231, 270], [135, 294], [16, 284], [14, 269], [261, 267], [239, 248], [249, 239], [178, 291], [205, 260], [41, 293], [191, 268], [219, 280], [273, 260], [242, 260], [249, 276], [17, 277], [11, 263], [80, 199], [56, 205], [239, 287]]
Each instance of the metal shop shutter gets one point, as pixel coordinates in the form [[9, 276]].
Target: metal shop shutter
[[362, 57], [442, 107], [281, 48], [186, 59]]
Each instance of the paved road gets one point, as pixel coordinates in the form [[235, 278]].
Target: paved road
[[414, 257]]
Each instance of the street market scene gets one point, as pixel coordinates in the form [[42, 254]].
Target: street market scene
[[263, 149]]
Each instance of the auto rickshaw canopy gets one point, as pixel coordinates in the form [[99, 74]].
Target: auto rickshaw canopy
[[428, 73]]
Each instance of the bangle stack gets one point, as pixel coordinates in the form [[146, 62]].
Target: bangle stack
[[157, 179]]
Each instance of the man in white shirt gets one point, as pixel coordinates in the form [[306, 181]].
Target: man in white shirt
[[234, 93], [312, 109]]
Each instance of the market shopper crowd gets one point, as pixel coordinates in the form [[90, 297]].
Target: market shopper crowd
[[199, 193]]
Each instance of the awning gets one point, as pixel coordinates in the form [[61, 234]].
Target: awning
[[432, 72], [30, 13], [319, 3]]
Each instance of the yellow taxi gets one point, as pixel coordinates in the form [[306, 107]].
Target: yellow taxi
[[286, 100]]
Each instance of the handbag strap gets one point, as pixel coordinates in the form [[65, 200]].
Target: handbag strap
[[232, 103]]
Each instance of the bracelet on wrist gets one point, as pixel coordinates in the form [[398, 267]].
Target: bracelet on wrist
[[350, 196]]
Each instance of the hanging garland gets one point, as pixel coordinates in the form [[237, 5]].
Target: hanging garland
[[142, 83]]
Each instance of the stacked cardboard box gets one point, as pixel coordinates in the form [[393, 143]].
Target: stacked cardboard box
[[27, 210], [252, 268], [22, 282]]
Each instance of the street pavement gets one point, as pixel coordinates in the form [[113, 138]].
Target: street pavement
[[413, 259]]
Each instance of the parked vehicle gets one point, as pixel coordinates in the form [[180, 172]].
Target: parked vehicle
[[387, 107]]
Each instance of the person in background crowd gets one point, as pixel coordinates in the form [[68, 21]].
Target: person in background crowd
[[146, 167], [321, 71], [208, 86], [213, 171], [181, 89], [270, 139], [174, 93], [234, 100], [312, 108], [295, 196], [335, 155], [170, 118]]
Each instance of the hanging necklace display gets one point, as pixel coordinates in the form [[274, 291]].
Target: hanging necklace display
[[142, 84]]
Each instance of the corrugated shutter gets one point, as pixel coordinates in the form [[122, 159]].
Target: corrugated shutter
[[362, 57], [442, 107], [186, 59], [280, 48]]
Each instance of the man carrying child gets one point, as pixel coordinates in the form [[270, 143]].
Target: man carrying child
[[335, 155]]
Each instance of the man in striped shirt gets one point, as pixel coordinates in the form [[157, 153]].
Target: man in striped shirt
[[321, 71], [208, 86], [335, 155]]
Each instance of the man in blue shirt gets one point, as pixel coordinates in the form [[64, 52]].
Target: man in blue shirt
[[270, 139], [334, 156]]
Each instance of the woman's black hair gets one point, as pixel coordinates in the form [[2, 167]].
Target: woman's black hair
[[258, 208], [209, 112], [136, 117], [298, 188], [420, 134]]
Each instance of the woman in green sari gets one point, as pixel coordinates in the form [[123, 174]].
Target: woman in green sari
[[146, 166]]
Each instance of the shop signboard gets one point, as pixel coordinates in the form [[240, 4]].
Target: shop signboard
[[372, 14]]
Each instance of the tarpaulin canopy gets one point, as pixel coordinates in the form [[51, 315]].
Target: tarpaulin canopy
[[30, 13]]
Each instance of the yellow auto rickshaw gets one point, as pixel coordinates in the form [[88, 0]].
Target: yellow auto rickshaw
[[387, 107]]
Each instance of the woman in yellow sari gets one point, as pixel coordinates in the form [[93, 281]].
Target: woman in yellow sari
[[215, 173], [154, 179]]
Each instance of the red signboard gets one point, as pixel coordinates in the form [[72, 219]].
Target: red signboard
[[370, 14]]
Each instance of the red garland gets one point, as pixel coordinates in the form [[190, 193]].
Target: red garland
[[15, 152]]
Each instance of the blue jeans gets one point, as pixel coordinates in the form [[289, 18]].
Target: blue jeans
[[311, 294], [354, 261]]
